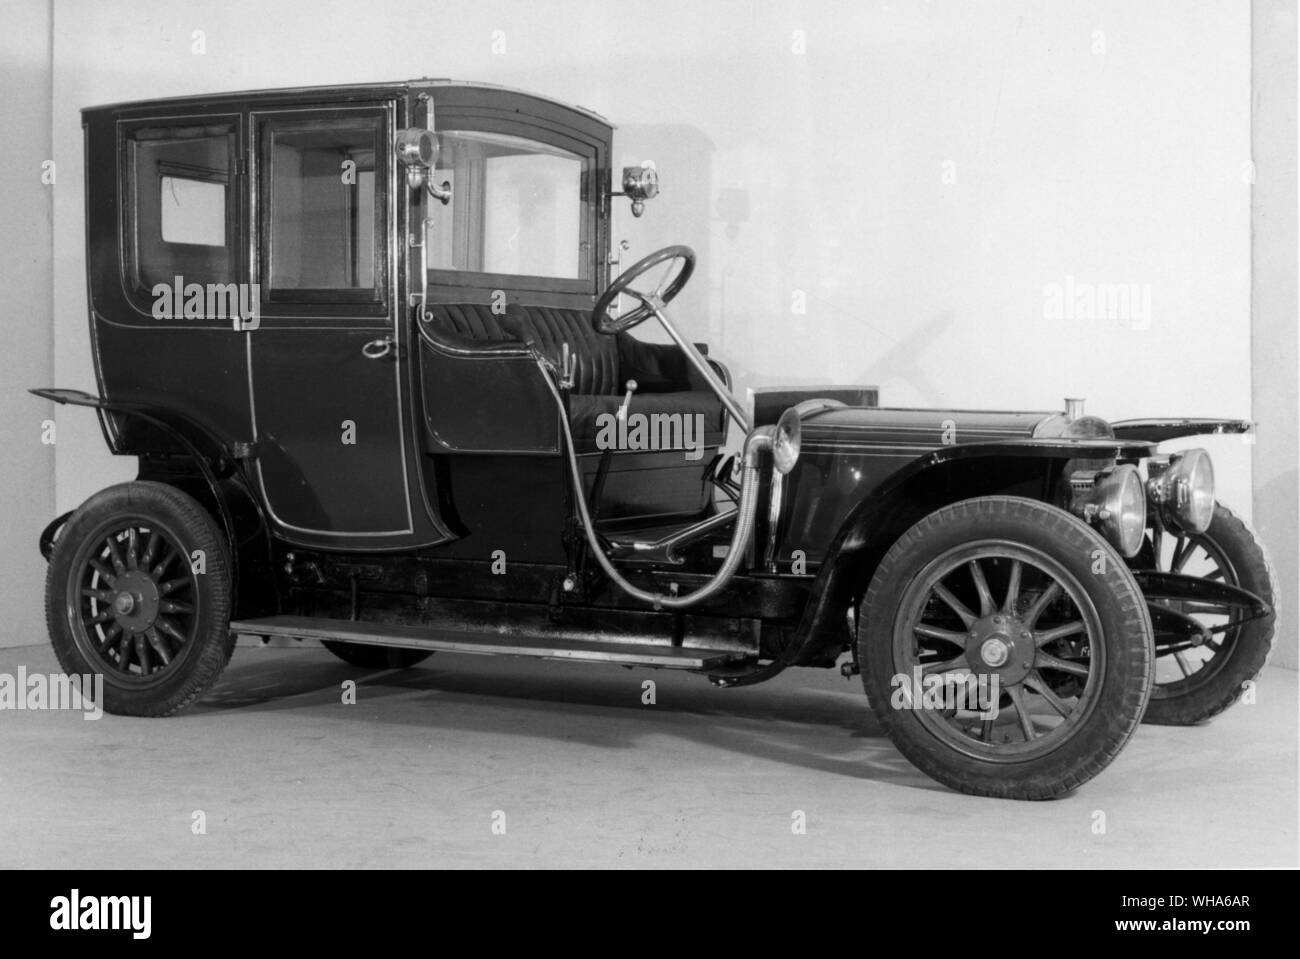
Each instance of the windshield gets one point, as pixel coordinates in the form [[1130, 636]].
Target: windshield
[[518, 207]]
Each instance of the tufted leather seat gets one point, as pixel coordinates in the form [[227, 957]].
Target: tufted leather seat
[[596, 354], [666, 381]]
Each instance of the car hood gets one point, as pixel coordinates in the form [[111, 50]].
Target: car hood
[[905, 431]]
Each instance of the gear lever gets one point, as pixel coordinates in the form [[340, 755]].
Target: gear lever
[[627, 400]]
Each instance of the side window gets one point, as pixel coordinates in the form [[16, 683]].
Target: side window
[[193, 212], [519, 208], [181, 205], [323, 204]]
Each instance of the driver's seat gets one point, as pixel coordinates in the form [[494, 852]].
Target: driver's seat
[[667, 384]]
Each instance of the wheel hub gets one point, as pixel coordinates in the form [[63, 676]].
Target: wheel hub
[[1001, 645], [136, 604], [994, 652]]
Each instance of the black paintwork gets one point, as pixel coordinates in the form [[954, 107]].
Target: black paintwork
[[457, 442], [1159, 430]]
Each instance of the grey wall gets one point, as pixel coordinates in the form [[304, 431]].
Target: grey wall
[[27, 328], [919, 173], [1275, 311]]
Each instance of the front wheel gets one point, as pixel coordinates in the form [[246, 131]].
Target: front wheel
[[1005, 648], [1194, 683], [138, 591]]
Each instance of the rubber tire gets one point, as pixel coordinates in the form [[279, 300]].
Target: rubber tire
[[376, 657], [1126, 680], [207, 654], [1250, 652]]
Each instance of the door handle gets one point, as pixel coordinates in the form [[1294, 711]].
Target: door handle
[[380, 348]]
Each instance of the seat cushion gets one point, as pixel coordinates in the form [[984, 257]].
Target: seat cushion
[[668, 387], [596, 355], [656, 421]]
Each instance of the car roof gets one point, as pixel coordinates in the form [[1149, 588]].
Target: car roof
[[341, 89]]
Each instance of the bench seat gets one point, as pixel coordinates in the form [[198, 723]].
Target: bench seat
[[667, 384]]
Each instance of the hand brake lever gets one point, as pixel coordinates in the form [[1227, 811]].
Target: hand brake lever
[[568, 367]]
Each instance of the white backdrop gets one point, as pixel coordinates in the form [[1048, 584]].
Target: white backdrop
[[914, 176]]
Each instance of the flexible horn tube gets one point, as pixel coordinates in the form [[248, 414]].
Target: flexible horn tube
[[756, 442]]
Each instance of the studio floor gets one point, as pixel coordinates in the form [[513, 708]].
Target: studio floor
[[577, 771]]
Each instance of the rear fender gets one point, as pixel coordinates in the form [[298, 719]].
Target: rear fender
[[205, 468]]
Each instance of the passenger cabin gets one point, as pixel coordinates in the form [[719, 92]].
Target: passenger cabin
[[265, 278]]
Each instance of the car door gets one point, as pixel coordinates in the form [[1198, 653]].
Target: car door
[[325, 383]]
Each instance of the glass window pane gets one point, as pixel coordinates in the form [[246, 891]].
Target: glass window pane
[[180, 205], [517, 208], [193, 211], [325, 210]]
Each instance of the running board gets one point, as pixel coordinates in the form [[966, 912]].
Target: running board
[[487, 643]]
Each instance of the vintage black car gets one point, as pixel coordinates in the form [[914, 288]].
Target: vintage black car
[[365, 344]]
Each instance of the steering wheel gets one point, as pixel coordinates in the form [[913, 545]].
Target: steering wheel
[[605, 323]]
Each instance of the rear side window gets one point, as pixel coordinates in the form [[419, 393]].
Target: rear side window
[[180, 204], [193, 212], [323, 207]]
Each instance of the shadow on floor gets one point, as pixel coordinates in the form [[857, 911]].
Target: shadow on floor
[[802, 726]]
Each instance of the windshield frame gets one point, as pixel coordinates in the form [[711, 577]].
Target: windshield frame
[[588, 141]]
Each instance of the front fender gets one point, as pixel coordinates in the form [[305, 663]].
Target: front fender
[[51, 533], [1159, 430], [926, 483]]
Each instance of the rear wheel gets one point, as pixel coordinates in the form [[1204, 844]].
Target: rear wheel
[[1005, 648], [1194, 683], [138, 590], [375, 657]]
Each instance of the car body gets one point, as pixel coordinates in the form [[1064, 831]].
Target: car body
[[366, 346]]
